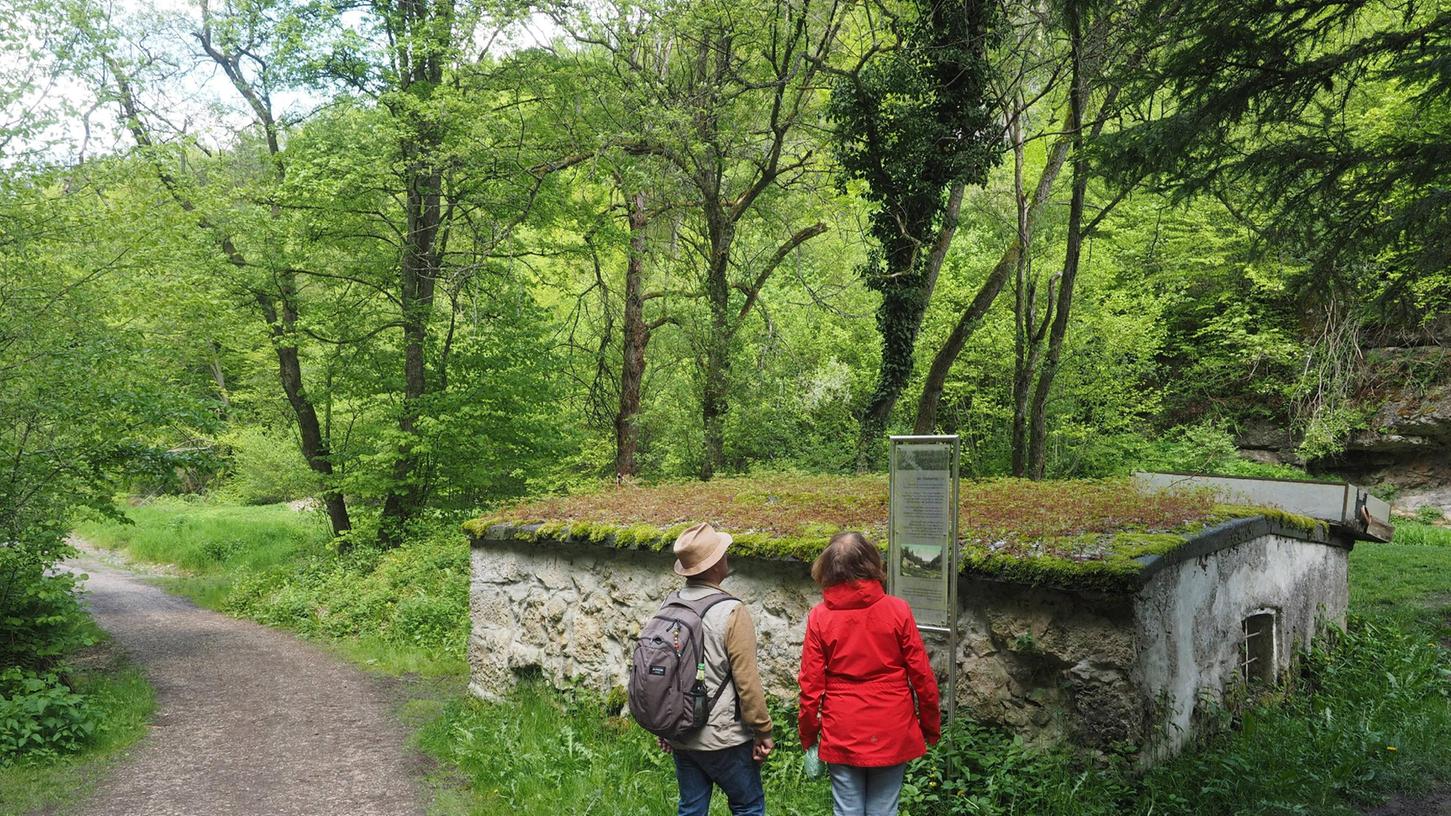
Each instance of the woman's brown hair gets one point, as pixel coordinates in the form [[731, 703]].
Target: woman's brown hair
[[849, 557]]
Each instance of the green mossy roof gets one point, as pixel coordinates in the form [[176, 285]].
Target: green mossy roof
[[1089, 535]]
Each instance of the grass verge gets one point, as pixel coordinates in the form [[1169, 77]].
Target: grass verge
[[122, 701], [543, 753]]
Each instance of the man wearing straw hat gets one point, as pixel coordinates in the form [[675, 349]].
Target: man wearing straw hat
[[727, 752]]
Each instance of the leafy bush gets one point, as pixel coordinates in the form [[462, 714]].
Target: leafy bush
[[40, 717], [1204, 448], [1429, 514], [40, 620], [416, 594], [983, 771], [265, 467]]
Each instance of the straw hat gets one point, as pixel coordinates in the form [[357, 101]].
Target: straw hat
[[698, 549]]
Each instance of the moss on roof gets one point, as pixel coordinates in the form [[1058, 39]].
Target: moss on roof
[[1084, 534]]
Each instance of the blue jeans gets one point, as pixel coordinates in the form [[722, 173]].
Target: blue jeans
[[866, 791], [730, 768]]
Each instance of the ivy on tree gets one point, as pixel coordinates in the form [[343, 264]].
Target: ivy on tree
[[912, 122]]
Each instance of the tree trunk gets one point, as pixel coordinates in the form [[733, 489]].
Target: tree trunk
[[971, 318], [636, 337], [714, 400], [1078, 98], [313, 442], [281, 326], [899, 335], [418, 274]]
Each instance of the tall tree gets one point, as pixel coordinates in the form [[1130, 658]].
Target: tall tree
[[1077, 102], [915, 121], [272, 288], [1321, 123], [729, 96]]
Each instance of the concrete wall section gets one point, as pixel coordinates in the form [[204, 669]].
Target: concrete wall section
[[1189, 620]]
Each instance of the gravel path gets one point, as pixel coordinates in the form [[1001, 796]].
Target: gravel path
[[249, 721]]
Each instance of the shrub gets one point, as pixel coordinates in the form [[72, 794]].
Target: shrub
[[416, 594], [265, 467], [40, 717], [40, 619]]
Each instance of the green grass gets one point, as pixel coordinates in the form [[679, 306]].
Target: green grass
[[1406, 582], [215, 543], [1368, 718], [543, 753], [123, 701], [1417, 533]]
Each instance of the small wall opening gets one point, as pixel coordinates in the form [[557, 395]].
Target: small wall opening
[[1257, 664]]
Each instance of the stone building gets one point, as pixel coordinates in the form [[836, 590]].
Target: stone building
[[1129, 662]]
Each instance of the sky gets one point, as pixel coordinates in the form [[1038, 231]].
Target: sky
[[51, 114]]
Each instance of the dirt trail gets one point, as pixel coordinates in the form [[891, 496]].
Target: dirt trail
[[249, 721], [1436, 803]]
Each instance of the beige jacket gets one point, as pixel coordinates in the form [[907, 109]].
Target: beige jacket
[[730, 641]]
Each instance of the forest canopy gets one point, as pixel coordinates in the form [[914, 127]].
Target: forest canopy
[[415, 259]]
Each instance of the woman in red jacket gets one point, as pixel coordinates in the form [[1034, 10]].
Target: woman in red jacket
[[867, 691]]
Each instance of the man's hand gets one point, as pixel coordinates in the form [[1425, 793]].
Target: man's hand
[[762, 749], [664, 746]]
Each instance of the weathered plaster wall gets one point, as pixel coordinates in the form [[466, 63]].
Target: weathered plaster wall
[[1188, 620]]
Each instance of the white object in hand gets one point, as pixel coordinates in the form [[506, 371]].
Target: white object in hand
[[812, 763]]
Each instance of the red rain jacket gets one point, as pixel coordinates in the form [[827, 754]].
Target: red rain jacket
[[861, 664]]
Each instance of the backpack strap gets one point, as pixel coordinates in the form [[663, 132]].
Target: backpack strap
[[700, 606]]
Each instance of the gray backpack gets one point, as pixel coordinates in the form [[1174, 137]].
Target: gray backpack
[[667, 676]]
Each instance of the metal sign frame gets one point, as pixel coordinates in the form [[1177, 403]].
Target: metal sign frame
[[951, 555]]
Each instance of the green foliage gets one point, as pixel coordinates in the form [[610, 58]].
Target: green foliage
[[1203, 448], [986, 772], [265, 467], [42, 620], [415, 595], [41, 718], [119, 701], [912, 122], [1429, 514], [1364, 718]]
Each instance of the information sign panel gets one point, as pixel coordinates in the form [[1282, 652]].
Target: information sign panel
[[922, 527]]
